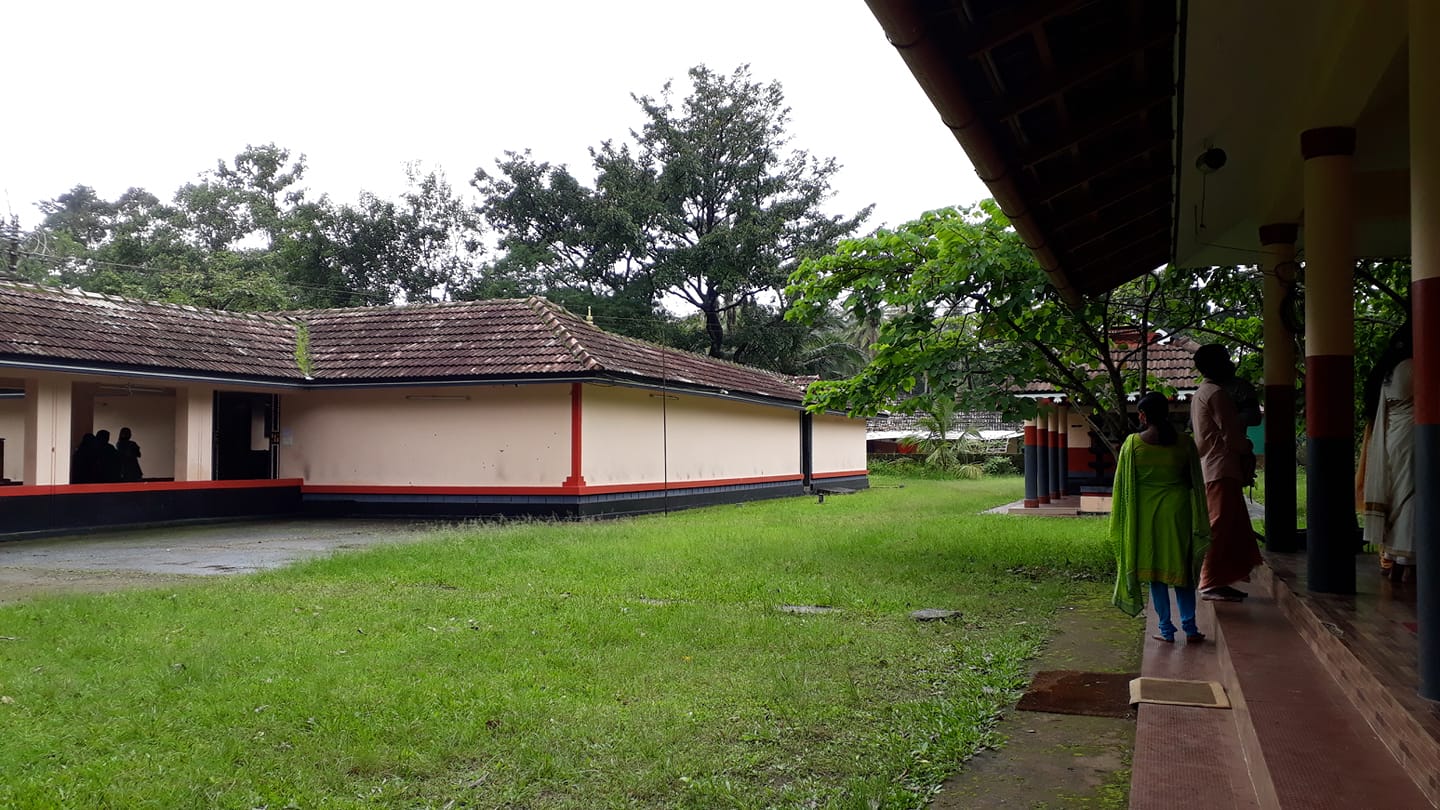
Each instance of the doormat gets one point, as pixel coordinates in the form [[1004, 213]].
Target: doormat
[[1068, 691], [1169, 692]]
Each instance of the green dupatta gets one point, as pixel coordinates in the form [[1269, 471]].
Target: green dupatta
[[1125, 523]]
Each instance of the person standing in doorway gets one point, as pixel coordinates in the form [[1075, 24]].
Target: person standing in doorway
[[1220, 439], [1158, 520], [129, 453], [107, 459]]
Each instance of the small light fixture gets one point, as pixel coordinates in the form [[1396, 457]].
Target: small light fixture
[[1211, 160]]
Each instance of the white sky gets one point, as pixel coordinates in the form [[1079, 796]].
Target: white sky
[[150, 94]]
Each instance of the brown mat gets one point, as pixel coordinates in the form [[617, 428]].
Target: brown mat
[[1169, 692], [1067, 691]]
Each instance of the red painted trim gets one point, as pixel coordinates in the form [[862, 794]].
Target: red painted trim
[[1030, 436], [1031, 503], [576, 479], [845, 474], [143, 486], [1329, 396], [1425, 306], [363, 489], [1077, 459]]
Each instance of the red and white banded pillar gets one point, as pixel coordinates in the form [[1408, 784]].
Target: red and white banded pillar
[[1032, 493], [1277, 250], [1330, 357], [1425, 319]]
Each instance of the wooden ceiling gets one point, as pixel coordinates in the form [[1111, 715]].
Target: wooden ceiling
[[1067, 110]]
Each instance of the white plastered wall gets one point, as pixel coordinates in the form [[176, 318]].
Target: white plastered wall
[[839, 444], [151, 419], [628, 433], [12, 430], [461, 436]]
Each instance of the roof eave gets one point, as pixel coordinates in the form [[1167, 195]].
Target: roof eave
[[905, 28]]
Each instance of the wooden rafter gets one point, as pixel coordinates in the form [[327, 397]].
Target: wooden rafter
[[1060, 80], [1014, 20], [1039, 153], [1048, 193]]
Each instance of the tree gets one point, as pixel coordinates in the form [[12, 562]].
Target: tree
[[418, 248], [965, 313], [709, 205]]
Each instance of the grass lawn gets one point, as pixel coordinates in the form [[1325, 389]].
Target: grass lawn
[[629, 663], [1258, 493]]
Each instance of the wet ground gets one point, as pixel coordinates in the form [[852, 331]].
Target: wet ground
[[102, 561], [1056, 761]]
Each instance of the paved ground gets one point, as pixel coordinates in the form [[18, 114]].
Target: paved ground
[[100, 561], [1060, 760]]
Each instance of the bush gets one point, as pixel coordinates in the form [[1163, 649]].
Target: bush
[[998, 465]]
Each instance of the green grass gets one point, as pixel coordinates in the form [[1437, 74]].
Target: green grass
[[631, 663], [1258, 493]]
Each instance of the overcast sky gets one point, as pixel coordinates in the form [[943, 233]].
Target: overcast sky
[[150, 94]]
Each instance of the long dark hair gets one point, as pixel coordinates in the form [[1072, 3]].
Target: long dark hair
[[1157, 412]]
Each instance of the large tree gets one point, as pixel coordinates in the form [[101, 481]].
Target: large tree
[[709, 204], [246, 236], [965, 313]]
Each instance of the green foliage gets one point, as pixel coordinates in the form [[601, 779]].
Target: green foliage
[[303, 359], [999, 465], [616, 663], [709, 205], [963, 309], [245, 237]]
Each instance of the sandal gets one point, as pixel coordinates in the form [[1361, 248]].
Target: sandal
[[1194, 638], [1164, 638]]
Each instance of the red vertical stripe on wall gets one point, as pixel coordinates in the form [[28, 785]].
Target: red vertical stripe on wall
[[576, 479]]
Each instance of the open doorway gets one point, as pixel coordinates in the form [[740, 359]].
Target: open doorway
[[245, 425]]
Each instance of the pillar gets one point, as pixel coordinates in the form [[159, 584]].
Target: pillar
[[577, 434], [47, 432], [1330, 358], [1277, 250], [1054, 453], [194, 433], [1032, 496], [1042, 454], [1064, 451], [1425, 319]]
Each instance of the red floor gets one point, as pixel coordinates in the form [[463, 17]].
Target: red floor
[[1297, 735]]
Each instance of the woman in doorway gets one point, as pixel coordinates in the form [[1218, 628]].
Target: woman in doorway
[[1159, 522], [129, 457]]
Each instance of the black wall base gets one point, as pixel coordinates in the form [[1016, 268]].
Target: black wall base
[[65, 512]]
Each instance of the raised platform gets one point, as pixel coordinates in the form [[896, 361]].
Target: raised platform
[[1325, 710]]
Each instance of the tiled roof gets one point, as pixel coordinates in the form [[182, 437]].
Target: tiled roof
[[968, 420], [42, 323], [475, 340], [1169, 360]]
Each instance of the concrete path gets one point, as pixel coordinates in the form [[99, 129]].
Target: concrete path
[[1060, 760], [108, 560]]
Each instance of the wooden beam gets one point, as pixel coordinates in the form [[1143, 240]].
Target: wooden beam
[[1158, 238], [1049, 192], [1067, 140], [1016, 19], [1099, 205], [1064, 78], [1074, 250]]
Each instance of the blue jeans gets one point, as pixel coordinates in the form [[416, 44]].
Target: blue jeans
[[1184, 597]]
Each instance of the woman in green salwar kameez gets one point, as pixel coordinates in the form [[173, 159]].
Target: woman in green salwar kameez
[[1158, 521]]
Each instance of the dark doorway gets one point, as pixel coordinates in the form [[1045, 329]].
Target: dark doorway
[[245, 425], [807, 449]]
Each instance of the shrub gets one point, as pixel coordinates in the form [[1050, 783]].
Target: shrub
[[998, 465]]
